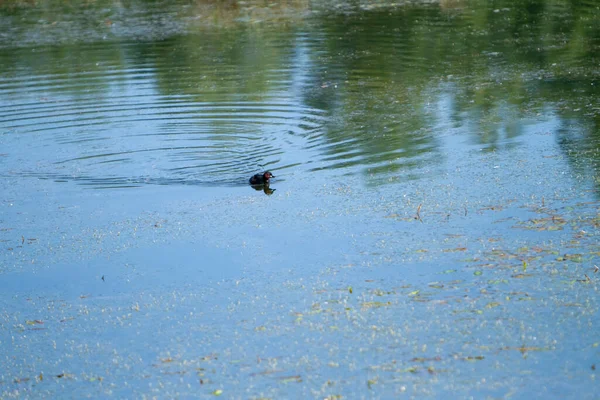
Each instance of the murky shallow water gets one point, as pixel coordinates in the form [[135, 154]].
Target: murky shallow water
[[433, 232]]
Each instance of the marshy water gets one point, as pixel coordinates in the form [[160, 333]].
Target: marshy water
[[433, 229]]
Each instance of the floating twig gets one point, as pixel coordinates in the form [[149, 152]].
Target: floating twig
[[418, 216]]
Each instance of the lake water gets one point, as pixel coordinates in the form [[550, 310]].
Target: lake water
[[432, 229]]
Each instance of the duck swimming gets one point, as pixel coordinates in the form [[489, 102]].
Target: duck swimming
[[261, 179]]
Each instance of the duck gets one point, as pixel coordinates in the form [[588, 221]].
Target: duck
[[261, 179]]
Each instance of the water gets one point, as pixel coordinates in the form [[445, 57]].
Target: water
[[433, 229]]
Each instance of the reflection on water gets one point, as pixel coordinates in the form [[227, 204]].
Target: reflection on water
[[206, 93], [266, 188]]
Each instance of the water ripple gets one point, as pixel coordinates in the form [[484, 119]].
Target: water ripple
[[129, 133]]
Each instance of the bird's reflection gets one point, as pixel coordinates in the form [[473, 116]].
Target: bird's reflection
[[264, 187]]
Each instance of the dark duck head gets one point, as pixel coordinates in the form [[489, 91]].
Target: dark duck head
[[261, 179]]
